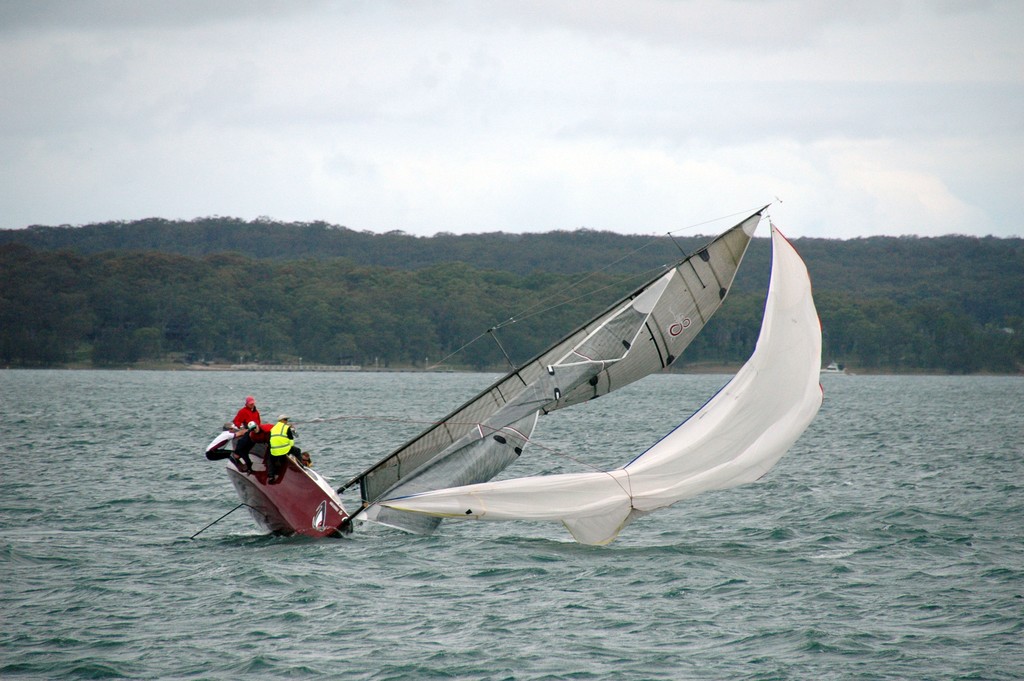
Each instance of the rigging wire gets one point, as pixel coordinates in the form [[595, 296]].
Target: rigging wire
[[531, 310], [748, 211], [432, 422], [551, 452]]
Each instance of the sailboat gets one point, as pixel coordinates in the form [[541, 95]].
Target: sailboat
[[735, 438], [834, 368], [643, 333]]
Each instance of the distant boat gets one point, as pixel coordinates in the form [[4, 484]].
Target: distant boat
[[834, 368]]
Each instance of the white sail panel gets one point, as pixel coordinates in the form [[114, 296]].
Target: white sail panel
[[598, 502], [482, 455], [733, 439]]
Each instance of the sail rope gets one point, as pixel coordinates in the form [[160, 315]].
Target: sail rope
[[382, 419], [220, 519], [713, 220], [533, 310], [529, 311], [427, 422], [544, 304]]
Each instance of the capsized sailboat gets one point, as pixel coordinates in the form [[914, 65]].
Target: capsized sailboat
[[641, 334], [735, 438]]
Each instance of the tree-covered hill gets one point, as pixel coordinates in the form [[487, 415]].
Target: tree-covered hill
[[226, 289], [567, 252]]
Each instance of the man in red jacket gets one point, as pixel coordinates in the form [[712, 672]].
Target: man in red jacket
[[247, 413]]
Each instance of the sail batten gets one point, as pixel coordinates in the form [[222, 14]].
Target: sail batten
[[639, 335]]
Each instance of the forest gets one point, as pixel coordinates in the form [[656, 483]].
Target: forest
[[223, 290]]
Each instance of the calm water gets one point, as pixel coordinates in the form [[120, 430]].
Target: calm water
[[888, 544]]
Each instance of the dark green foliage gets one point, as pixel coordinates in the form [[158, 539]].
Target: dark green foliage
[[559, 252], [227, 290]]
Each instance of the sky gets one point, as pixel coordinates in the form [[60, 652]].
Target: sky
[[853, 119]]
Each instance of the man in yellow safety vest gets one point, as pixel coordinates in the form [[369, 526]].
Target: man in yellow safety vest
[[282, 443]]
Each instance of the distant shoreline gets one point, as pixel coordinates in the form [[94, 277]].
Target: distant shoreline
[[694, 369]]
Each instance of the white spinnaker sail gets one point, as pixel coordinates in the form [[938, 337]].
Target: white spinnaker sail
[[733, 439]]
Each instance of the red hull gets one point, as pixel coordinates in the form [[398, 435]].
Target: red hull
[[300, 501]]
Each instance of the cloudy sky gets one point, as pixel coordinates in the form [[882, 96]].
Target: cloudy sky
[[646, 116]]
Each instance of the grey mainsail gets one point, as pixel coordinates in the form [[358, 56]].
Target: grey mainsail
[[641, 334]]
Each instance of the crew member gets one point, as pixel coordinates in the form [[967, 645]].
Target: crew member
[[217, 450], [254, 432], [247, 413], [282, 443]]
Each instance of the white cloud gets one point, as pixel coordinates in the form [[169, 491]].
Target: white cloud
[[873, 117]]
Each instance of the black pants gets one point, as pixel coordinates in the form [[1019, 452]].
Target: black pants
[[276, 464], [242, 448]]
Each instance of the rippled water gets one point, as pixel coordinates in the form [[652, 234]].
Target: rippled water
[[888, 544]]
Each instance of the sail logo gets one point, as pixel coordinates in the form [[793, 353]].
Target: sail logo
[[680, 325], [320, 517]]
